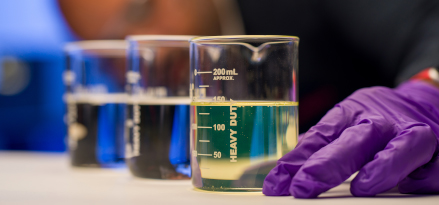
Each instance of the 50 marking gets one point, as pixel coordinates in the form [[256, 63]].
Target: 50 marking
[[216, 154]]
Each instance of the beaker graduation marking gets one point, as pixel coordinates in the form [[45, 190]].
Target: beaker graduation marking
[[205, 127], [201, 72], [204, 140]]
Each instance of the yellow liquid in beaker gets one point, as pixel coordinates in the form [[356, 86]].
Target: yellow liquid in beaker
[[235, 144]]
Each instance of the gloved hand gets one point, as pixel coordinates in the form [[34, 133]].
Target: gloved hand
[[389, 135]]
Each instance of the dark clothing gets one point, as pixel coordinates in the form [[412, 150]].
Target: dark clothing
[[346, 45]]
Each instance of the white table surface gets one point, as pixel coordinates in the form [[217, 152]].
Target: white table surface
[[46, 178]]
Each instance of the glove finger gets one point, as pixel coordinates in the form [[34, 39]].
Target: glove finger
[[327, 130], [424, 180], [412, 148], [334, 163]]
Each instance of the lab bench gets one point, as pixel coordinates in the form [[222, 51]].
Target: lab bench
[[47, 178]]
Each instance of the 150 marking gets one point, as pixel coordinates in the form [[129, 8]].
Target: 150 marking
[[219, 98]]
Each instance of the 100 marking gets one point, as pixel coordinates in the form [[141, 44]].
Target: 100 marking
[[219, 127]]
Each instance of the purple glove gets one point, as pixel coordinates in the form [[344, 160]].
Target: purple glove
[[388, 135]]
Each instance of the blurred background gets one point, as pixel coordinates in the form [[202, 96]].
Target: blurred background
[[344, 45], [32, 35]]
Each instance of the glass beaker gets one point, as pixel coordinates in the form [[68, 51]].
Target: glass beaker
[[243, 110], [95, 98], [157, 143]]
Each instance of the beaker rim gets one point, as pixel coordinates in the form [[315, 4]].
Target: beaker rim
[[159, 37], [244, 37], [96, 45], [142, 41]]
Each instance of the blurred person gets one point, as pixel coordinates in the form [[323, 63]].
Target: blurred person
[[389, 135], [119, 18]]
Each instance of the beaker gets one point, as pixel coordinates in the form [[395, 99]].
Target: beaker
[[244, 108], [95, 98], [157, 143]]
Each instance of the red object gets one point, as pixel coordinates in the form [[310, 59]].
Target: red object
[[427, 74]]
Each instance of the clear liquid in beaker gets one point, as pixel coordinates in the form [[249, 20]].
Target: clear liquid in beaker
[[158, 142], [95, 129]]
